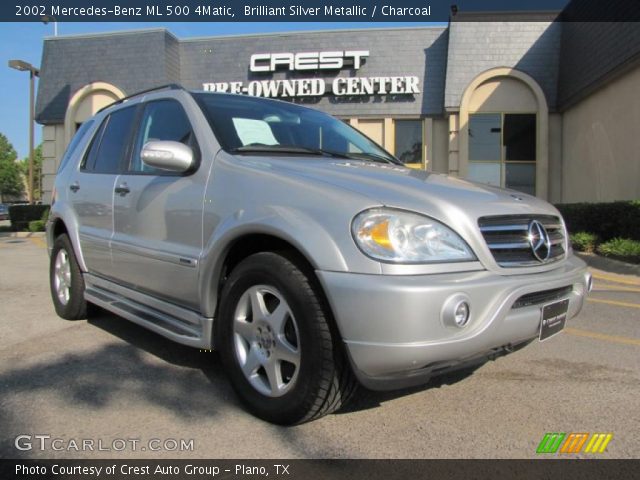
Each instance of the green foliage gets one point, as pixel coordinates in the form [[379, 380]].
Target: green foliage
[[584, 242], [36, 225], [11, 182], [622, 249], [606, 220], [21, 215], [7, 152]]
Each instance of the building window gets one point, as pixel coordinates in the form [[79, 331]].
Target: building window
[[502, 150], [408, 141]]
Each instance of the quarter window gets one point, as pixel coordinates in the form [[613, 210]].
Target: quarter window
[[75, 141]]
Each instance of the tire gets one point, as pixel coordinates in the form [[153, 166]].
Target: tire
[[291, 337], [72, 305]]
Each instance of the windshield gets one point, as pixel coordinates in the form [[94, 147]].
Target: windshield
[[253, 125]]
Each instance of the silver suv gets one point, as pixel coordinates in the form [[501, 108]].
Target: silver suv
[[304, 253]]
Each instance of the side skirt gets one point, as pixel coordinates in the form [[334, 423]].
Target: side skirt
[[176, 323]]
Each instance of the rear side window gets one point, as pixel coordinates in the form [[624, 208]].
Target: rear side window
[[75, 141], [111, 144], [161, 120]]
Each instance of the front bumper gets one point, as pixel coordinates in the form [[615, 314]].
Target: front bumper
[[393, 325]]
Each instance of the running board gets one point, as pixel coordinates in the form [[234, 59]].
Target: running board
[[176, 323]]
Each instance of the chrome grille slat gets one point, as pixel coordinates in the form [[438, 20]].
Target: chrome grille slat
[[507, 238], [507, 246], [503, 228]]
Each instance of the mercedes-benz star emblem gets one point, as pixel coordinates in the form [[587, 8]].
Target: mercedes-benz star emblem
[[539, 241]]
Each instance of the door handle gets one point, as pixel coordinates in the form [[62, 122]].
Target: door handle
[[74, 187], [122, 189]]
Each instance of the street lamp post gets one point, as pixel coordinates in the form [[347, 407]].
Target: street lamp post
[[48, 18], [33, 73]]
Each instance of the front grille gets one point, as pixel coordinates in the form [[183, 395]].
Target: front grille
[[507, 237], [546, 296]]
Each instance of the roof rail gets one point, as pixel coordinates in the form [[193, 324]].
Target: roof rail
[[169, 86]]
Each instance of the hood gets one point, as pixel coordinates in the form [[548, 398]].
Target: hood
[[439, 196]]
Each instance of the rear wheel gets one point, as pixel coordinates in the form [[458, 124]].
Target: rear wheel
[[276, 341], [66, 282]]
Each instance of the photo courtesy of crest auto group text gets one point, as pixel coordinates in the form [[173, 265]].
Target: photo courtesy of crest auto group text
[[231, 247]]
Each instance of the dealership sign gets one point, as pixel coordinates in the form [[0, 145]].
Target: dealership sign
[[315, 87], [270, 62]]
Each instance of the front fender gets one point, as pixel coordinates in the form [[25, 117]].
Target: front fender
[[307, 235]]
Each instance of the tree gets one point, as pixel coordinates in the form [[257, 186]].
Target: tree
[[37, 172], [11, 181]]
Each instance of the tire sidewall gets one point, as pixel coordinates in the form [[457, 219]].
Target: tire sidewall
[[76, 306], [271, 270]]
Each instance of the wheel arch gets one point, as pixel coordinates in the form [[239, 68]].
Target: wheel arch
[[58, 227], [255, 241], [64, 222], [243, 246]]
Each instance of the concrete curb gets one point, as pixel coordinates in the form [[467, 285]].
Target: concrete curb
[[609, 264], [22, 234]]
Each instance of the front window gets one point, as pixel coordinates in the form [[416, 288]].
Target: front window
[[161, 120], [246, 124], [502, 150]]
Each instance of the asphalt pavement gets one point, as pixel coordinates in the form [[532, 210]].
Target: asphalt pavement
[[68, 387]]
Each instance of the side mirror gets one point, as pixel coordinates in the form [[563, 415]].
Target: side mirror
[[167, 155]]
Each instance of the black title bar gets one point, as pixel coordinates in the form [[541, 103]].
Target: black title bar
[[313, 10], [317, 469]]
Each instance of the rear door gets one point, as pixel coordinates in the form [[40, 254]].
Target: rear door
[[158, 214], [91, 188]]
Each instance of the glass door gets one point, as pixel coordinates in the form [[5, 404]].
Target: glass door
[[502, 150]]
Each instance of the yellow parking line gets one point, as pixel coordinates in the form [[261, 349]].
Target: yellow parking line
[[604, 337], [614, 302], [616, 288], [609, 278], [39, 241]]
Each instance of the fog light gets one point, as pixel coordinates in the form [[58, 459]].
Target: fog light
[[461, 314], [456, 311]]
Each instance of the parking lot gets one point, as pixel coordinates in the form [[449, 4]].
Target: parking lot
[[107, 379]]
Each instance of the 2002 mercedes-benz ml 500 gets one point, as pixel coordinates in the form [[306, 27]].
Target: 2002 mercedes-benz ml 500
[[303, 252]]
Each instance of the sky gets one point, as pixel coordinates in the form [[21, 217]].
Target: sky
[[23, 41]]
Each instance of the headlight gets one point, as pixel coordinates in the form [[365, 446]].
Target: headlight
[[403, 237]]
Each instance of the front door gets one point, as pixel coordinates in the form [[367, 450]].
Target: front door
[[158, 214]]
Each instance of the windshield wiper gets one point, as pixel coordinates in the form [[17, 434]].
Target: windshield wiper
[[257, 148]]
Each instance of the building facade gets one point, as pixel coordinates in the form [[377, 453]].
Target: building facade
[[545, 107]]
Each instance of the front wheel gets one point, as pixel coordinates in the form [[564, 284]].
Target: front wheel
[[276, 342], [66, 282]]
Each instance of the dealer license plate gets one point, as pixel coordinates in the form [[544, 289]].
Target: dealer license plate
[[554, 317]]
